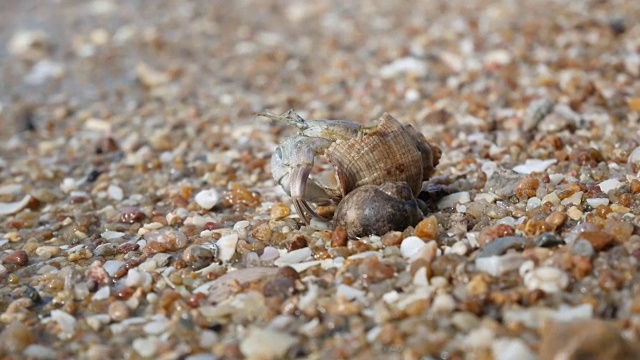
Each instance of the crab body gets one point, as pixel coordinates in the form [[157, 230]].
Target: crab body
[[360, 155]]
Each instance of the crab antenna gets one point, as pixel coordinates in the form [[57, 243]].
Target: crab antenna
[[290, 117]]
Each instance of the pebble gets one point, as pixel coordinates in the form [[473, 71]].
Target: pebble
[[30, 44], [498, 265], [15, 338], [227, 246], [556, 219], [407, 65], [115, 192], [198, 256], [66, 322], [583, 248], [586, 339], [294, 257], [269, 253], [595, 202], [443, 304], [112, 235], [18, 257], [207, 199], [118, 311], [501, 245], [39, 352], [48, 251], [546, 278], [279, 211], [102, 294], [411, 246], [266, 344], [508, 349], [548, 240], [427, 228], [136, 278], [574, 213], [146, 346], [449, 201], [349, 292], [574, 199], [112, 266], [600, 240]]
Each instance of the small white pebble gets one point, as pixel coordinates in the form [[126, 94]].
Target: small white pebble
[[551, 198], [294, 257], [101, 294], [443, 304], [448, 201], [112, 266], [227, 246], [411, 245], [112, 235], [533, 203], [574, 213], [595, 202], [68, 185], [547, 279], [147, 346], [207, 199], [66, 322], [349, 292], [459, 248], [574, 199], [269, 253], [115, 192]]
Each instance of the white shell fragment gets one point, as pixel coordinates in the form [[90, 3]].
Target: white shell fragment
[[14, 207], [609, 185], [534, 165]]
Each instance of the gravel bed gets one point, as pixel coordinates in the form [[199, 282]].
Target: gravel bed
[[139, 218]]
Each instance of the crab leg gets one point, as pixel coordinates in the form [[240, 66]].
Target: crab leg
[[301, 162]]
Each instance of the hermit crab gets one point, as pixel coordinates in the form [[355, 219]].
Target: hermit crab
[[386, 151]]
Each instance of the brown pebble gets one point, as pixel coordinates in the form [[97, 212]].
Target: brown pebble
[[598, 239], [298, 242], [127, 247], [527, 187], [154, 247], [585, 339], [198, 256], [262, 232], [634, 186], [490, 233], [118, 311], [15, 338], [392, 238], [339, 237], [621, 230], [556, 219], [427, 228], [130, 215], [373, 270], [590, 157], [18, 257]]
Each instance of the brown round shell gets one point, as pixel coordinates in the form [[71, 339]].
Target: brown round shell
[[390, 152]]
